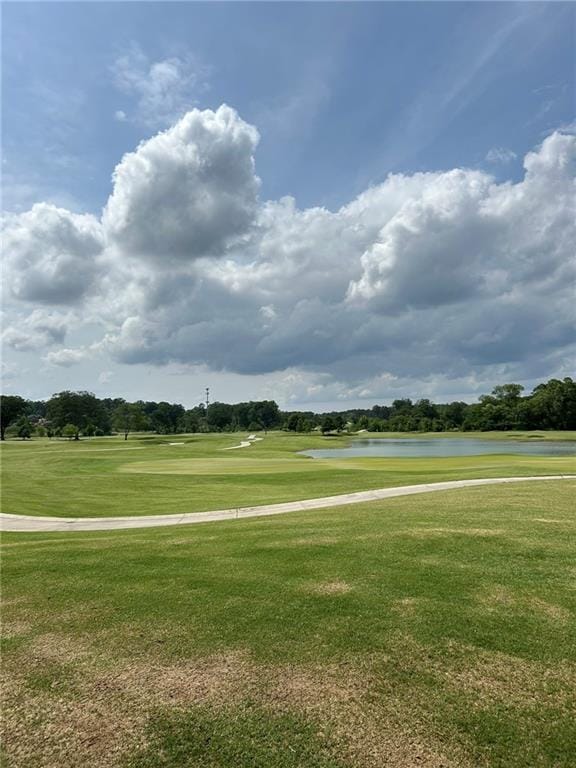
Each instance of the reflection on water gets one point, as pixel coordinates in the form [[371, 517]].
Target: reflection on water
[[412, 447]]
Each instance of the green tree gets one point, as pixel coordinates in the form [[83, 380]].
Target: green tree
[[11, 407], [328, 424], [553, 404], [79, 408], [24, 428], [194, 420], [304, 425], [454, 413], [70, 431], [291, 424], [508, 393], [220, 416], [129, 417], [502, 408], [424, 409], [165, 417]]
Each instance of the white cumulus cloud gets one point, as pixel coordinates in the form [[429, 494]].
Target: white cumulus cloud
[[51, 254], [430, 277], [66, 357], [437, 272], [41, 329], [187, 192]]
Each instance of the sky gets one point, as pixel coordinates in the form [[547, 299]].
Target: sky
[[327, 204]]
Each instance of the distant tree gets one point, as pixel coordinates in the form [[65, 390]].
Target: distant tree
[[243, 414], [220, 416], [89, 429], [381, 412], [291, 424], [298, 422], [453, 414], [508, 392], [11, 407], [402, 406], [339, 422], [49, 427], [425, 409], [79, 408], [165, 417], [129, 417], [377, 425], [553, 404], [70, 431], [363, 423], [24, 428], [502, 408], [304, 424], [328, 424], [267, 414]]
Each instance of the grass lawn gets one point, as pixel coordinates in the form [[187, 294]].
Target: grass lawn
[[422, 631], [149, 475]]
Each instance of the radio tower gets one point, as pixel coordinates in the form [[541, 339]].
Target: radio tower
[[207, 398]]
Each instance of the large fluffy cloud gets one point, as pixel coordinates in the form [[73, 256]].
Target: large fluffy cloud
[[38, 330], [190, 191], [465, 236], [51, 254], [428, 277], [437, 272]]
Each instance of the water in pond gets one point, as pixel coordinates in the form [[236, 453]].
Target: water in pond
[[412, 447]]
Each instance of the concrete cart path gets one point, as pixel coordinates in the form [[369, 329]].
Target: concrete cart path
[[244, 444], [29, 523]]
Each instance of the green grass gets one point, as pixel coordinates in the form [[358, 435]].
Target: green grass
[[431, 630], [145, 475], [421, 630], [245, 738]]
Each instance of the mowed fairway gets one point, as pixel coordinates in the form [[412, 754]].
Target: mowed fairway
[[422, 631], [151, 476], [434, 630]]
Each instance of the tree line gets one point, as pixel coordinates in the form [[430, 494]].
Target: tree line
[[551, 405]]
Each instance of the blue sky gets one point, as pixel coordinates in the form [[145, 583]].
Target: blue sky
[[341, 94], [361, 89]]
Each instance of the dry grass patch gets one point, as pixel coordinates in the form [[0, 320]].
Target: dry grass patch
[[15, 628], [501, 598], [501, 678], [52, 646], [104, 716], [425, 533], [406, 606], [328, 588], [311, 541]]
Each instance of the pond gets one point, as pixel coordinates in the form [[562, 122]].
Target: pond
[[413, 447]]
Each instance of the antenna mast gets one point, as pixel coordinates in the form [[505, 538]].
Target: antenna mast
[[207, 397]]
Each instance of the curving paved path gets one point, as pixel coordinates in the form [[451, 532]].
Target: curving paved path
[[244, 444], [28, 523]]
